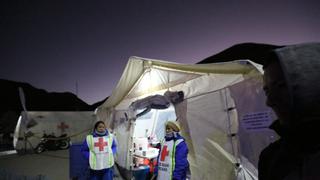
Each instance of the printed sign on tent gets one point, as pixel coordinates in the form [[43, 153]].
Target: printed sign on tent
[[256, 121]]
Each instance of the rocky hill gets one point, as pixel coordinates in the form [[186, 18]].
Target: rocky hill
[[252, 51]]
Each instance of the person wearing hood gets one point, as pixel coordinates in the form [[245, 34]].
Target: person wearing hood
[[99, 148], [292, 88], [172, 160]]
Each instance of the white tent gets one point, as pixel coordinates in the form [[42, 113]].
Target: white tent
[[223, 115], [75, 124]]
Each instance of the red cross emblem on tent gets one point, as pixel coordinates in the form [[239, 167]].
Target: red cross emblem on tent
[[164, 153], [63, 126], [100, 144]]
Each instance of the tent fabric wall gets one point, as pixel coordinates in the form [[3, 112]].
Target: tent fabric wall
[[122, 134], [210, 115], [209, 121], [248, 96], [79, 124], [136, 66]]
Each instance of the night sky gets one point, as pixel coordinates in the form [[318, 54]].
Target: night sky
[[56, 44]]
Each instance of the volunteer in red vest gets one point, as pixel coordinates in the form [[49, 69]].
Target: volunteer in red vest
[[172, 160], [99, 149]]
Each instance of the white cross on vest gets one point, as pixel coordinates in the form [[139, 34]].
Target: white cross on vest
[[100, 144]]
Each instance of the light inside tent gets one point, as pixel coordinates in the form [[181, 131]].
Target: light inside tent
[[154, 80], [148, 81], [145, 82]]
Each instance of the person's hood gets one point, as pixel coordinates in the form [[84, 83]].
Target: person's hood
[[301, 67]]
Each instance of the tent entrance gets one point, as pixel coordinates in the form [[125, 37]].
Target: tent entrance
[[152, 124]]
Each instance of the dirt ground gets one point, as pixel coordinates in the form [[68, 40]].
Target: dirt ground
[[53, 165]]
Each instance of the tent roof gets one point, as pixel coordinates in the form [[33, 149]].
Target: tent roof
[[137, 66]]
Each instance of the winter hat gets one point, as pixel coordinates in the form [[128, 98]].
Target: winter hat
[[174, 125]]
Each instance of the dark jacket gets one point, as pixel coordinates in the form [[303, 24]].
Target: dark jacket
[[296, 155]]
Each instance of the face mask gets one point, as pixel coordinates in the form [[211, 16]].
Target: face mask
[[169, 135]]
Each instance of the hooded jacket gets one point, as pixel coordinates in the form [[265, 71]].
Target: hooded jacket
[[296, 155]]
